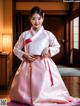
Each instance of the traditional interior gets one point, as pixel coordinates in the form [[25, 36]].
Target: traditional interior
[[62, 18]]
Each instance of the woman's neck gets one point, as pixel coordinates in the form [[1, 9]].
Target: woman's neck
[[36, 29]]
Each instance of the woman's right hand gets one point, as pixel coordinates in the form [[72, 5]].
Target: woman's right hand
[[28, 58]]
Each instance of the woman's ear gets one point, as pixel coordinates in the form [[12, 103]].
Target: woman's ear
[[43, 14]]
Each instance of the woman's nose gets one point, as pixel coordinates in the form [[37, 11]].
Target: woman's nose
[[36, 21]]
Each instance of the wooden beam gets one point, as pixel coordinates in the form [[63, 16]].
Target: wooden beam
[[47, 12], [39, 0]]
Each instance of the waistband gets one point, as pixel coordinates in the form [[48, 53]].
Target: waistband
[[37, 56]]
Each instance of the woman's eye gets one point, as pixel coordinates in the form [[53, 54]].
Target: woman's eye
[[39, 18], [33, 18], [36, 18]]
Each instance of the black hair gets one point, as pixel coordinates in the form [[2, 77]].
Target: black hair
[[37, 10]]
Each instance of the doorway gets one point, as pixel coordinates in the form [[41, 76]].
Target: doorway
[[54, 23]]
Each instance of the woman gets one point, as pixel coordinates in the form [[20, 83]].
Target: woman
[[37, 80]]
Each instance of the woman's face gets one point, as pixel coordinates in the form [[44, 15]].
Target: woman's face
[[36, 21]]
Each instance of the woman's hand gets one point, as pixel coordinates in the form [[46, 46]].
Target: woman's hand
[[46, 53], [28, 58]]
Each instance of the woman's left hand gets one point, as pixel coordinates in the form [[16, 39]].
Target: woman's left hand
[[46, 53]]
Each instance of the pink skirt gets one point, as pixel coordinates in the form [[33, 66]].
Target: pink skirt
[[39, 83]]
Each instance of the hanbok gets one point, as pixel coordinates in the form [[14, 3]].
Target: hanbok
[[38, 82]]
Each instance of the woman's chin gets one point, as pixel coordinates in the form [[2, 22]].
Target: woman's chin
[[36, 27]]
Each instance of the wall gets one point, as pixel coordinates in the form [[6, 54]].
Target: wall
[[7, 26], [8, 16], [75, 6], [1, 23], [43, 5]]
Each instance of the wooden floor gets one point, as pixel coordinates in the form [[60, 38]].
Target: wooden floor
[[72, 84]]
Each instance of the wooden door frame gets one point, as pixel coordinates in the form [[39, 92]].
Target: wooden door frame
[[76, 53], [14, 12]]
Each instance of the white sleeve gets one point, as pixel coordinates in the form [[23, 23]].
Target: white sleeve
[[54, 45], [18, 47]]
